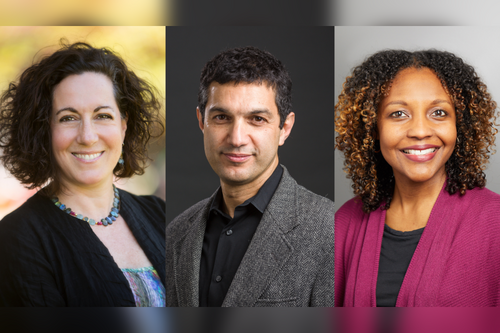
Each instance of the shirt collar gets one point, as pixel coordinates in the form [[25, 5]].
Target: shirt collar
[[261, 199]]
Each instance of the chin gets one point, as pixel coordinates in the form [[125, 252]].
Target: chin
[[235, 178]]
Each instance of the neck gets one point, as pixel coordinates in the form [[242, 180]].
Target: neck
[[236, 194], [94, 201], [412, 202]]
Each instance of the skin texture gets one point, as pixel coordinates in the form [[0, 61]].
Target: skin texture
[[241, 137], [417, 111], [86, 119]]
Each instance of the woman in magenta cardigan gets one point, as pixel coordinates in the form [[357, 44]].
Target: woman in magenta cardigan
[[416, 129]]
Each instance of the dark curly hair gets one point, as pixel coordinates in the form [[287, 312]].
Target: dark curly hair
[[356, 122], [26, 108], [250, 65]]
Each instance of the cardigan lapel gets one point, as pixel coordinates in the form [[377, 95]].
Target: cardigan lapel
[[422, 280], [187, 257], [269, 249]]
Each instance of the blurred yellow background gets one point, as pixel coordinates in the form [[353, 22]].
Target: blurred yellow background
[[143, 49], [86, 12]]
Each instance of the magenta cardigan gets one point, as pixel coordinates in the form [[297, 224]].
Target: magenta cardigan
[[456, 262]]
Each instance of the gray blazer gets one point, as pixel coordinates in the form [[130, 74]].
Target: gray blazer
[[289, 262]]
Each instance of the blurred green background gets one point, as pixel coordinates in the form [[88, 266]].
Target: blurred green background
[[143, 49]]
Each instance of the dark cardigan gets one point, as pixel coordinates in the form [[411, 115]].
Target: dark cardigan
[[48, 258]]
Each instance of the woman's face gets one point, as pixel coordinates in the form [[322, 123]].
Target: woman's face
[[87, 129], [416, 126]]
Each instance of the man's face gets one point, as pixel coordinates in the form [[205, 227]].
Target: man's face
[[241, 132]]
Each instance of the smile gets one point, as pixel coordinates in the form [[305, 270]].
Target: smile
[[420, 155], [88, 157], [419, 152]]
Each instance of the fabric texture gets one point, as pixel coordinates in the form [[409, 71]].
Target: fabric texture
[[395, 256], [227, 239], [289, 262], [49, 258], [146, 286], [456, 262]]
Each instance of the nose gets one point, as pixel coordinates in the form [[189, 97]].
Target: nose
[[420, 127], [87, 133], [237, 136]]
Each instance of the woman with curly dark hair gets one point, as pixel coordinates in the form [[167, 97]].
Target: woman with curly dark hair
[[68, 126], [416, 129]]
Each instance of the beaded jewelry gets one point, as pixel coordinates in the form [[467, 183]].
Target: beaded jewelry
[[105, 221]]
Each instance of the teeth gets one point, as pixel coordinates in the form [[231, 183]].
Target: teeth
[[87, 156], [419, 152]]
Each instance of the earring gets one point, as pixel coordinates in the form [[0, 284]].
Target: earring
[[120, 160]]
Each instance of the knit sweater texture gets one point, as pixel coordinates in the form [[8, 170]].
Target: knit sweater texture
[[456, 263]]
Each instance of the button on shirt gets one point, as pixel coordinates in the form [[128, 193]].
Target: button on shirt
[[226, 240]]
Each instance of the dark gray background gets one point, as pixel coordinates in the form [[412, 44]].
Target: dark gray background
[[306, 52]]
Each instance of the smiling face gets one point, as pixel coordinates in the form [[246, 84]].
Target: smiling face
[[241, 132], [417, 126], [87, 129]]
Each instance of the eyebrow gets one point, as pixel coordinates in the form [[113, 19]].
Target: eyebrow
[[434, 102], [440, 101], [253, 112], [74, 110]]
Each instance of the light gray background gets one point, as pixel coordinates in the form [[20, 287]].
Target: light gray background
[[477, 46]]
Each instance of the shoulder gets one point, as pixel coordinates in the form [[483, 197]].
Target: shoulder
[[143, 211], [313, 203], [28, 216], [484, 195], [145, 201], [480, 203], [28, 229], [350, 211], [180, 222], [306, 200]]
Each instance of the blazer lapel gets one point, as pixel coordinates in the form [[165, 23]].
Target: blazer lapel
[[269, 249], [187, 256]]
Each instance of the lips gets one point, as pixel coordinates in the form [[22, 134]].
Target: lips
[[237, 158], [420, 153], [88, 157]]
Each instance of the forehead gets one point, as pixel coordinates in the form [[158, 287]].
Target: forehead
[[83, 89], [241, 97], [417, 84]]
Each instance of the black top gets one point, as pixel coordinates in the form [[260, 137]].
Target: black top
[[49, 258], [226, 240], [395, 256]]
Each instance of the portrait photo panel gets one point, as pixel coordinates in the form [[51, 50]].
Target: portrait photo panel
[[307, 54]]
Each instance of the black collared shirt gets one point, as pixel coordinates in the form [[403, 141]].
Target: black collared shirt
[[226, 240]]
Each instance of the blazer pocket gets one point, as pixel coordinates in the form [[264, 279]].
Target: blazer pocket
[[278, 302]]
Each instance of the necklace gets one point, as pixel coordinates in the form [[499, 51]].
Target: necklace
[[113, 214]]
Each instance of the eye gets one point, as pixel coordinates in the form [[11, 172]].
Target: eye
[[66, 118], [259, 119], [397, 114], [440, 113], [104, 116], [220, 117]]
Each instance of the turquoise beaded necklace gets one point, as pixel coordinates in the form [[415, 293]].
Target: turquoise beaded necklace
[[105, 221]]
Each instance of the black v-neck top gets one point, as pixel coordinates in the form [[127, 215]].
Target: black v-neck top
[[49, 258], [395, 256]]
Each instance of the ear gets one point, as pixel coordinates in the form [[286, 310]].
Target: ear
[[124, 125], [287, 128], [200, 119]]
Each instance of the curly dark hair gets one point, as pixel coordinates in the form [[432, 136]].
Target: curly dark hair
[[356, 122], [250, 65], [26, 108]]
